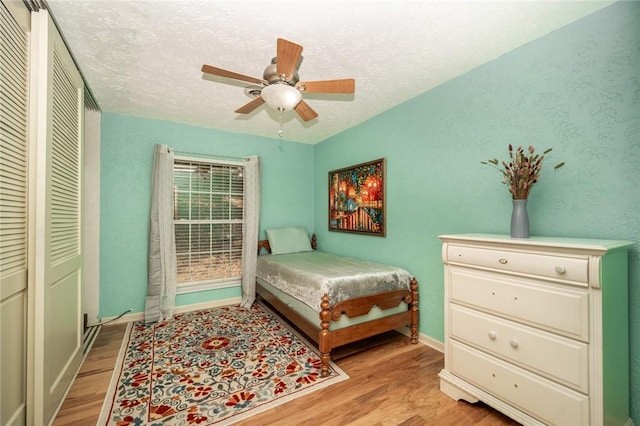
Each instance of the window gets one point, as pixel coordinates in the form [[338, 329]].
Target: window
[[208, 216]]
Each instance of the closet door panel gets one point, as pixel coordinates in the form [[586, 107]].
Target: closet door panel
[[14, 178], [58, 212]]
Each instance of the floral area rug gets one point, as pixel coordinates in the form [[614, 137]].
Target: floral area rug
[[215, 366]]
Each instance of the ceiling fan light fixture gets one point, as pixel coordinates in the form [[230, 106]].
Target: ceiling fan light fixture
[[281, 96]]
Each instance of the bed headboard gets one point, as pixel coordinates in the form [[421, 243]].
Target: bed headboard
[[265, 244]]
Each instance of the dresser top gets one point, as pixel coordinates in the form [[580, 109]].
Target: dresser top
[[557, 242]]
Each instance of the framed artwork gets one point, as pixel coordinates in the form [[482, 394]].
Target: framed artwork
[[357, 199]]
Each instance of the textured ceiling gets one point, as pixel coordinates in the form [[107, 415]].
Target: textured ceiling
[[144, 58]]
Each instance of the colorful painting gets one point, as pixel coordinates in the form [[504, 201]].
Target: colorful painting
[[357, 199]]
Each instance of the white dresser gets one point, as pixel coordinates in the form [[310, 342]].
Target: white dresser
[[538, 328]]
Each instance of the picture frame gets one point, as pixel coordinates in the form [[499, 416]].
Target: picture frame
[[357, 199]]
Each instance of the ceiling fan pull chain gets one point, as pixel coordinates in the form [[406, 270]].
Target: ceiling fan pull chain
[[281, 114]]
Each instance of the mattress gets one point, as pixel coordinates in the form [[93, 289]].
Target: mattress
[[308, 276], [314, 317]]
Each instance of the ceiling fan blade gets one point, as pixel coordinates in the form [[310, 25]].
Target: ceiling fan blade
[[246, 109], [288, 56], [305, 111], [208, 69], [347, 85]]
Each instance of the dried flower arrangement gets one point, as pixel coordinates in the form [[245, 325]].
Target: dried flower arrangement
[[522, 170]]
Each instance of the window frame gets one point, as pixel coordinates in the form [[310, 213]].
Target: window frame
[[210, 284]]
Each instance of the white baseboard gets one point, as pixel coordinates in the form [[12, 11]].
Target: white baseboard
[[431, 342], [424, 339], [138, 316]]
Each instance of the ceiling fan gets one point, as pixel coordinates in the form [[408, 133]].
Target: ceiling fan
[[280, 87]]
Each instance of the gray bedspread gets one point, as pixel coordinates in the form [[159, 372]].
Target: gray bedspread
[[308, 276]]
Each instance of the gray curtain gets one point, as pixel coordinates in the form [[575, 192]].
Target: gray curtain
[[161, 287], [250, 229]]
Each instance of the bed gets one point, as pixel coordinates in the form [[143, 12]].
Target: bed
[[334, 300]]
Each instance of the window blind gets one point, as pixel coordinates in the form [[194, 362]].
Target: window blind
[[208, 215]]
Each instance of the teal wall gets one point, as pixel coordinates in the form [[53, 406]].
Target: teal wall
[[127, 145], [576, 90]]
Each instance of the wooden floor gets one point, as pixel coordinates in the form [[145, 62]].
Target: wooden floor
[[394, 383]]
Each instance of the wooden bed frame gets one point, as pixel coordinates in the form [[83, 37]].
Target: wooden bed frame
[[328, 339]]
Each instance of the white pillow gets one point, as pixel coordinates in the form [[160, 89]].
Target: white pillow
[[288, 240]]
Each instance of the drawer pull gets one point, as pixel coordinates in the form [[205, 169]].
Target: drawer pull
[[492, 335], [560, 269], [503, 261], [513, 343]]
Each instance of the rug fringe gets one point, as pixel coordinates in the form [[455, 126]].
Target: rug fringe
[[105, 413]]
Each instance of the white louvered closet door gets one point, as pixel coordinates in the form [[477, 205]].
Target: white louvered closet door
[[58, 321], [14, 178]]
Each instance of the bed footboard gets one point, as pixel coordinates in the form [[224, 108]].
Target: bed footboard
[[328, 339]]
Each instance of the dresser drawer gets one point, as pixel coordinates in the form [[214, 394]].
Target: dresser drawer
[[558, 358], [557, 267], [557, 309], [547, 401]]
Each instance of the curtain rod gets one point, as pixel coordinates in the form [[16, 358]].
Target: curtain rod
[[222, 157]]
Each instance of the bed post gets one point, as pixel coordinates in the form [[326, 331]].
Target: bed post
[[324, 337], [415, 315]]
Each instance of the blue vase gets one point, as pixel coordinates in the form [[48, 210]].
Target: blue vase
[[519, 220]]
